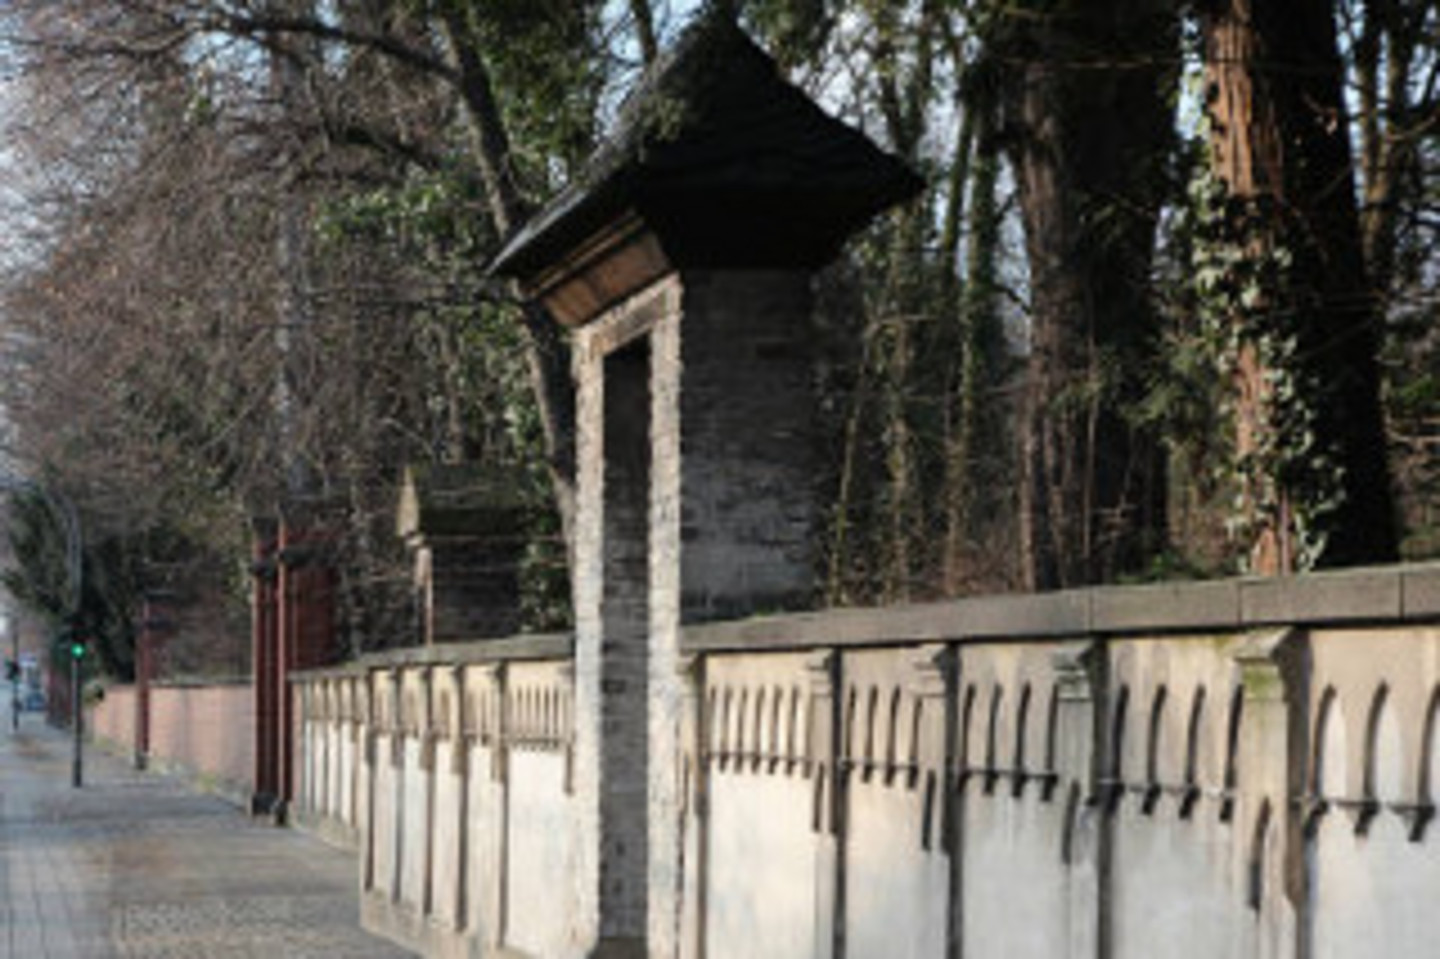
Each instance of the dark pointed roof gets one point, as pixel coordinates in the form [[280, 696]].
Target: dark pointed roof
[[728, 164]]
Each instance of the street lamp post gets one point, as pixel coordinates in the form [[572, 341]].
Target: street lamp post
[[77, 710], [15, 676]]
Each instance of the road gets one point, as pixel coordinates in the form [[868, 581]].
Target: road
[[136, 864]]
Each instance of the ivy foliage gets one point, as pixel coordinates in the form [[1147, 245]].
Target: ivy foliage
[[1251, 304]]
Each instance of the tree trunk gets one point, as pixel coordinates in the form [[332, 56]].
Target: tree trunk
[[1383, 59], [294, 317], [1279, 138], [904, 89], [645, 30], [971, 479], [1088, 124]]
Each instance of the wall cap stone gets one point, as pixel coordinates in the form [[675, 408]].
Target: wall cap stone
[[1389, 594], [196, 682], [539, 646]]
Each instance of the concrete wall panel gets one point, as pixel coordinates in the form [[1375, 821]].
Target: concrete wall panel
[[1262, 792], [762, 878], [206, 731], [896, 890], [541, 856]]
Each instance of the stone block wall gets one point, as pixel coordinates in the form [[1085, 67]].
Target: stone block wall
[[469, 587], [1244, 768]]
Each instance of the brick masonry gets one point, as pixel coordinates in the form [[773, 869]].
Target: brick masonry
[[695, 416], [747, 414]]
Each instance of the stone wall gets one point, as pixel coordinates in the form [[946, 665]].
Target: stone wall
[[1228, 769], [1240, 768], [451, 770], [112, 720], [205, 730]]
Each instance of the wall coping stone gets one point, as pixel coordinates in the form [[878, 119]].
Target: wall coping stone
[[1389, 594], [199, 683], [521, 648], [187, 682]]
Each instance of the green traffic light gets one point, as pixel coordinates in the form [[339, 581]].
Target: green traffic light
[[77, 650]]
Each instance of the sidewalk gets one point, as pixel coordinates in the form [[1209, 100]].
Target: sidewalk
[[138, 865]]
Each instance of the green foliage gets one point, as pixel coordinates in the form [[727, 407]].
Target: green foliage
[[431, 215], [549, 58], [401, 349], [796, 29], [40, 582], [110, 585], [473, 378], [1250, 305]]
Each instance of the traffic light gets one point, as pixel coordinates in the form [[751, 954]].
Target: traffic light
[[12, 670], [77, 649]]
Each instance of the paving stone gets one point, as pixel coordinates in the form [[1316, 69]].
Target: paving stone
[[137, 865]]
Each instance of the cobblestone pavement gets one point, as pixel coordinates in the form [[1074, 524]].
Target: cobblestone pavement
[[137, 865]]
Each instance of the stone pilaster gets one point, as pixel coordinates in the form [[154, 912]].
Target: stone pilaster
[[694, 815], [666, 684], [628, 691], [587, 578], [1272, 770], [825, 760], [489, 903], [1082, 677]]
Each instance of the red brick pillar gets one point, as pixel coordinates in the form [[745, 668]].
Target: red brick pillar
[[286, 603], [305, 636]]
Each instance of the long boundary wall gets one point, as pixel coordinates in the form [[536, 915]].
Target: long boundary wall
[[205, 731], [1238, 768]]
